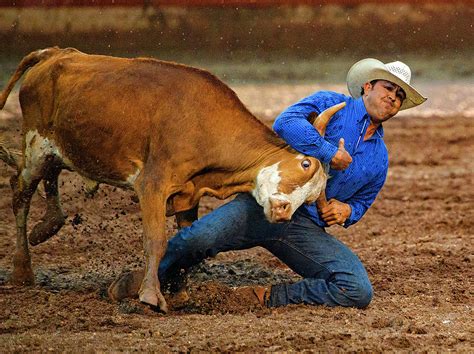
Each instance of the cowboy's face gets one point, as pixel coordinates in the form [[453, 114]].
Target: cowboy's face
[[382, 100]]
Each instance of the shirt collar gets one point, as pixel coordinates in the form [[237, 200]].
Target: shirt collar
[[360, 110], [379, 131], [361, 114]]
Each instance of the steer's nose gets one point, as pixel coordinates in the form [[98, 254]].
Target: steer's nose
[[281, 209]]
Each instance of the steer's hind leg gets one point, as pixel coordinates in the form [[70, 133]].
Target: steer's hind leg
[[54, 217], [24, 186]]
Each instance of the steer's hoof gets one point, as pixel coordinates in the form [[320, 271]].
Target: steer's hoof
[[126, 286], [22, 271], [154, 299], [46, 229], [162, 303], [22, 277], [148, 297]]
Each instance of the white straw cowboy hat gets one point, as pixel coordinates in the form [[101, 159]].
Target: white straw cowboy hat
[[397, 72]]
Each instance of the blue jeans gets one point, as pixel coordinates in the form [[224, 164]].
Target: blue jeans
[[332, 274]]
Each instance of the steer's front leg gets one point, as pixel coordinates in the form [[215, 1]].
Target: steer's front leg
[[154, 243]]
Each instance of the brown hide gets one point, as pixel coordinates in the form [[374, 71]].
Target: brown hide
[[169, 132], [111, 116]]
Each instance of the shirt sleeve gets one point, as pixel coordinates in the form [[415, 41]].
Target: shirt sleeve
[[293, 126], [363, 199]]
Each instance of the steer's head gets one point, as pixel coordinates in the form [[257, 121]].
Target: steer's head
[[284, 185]]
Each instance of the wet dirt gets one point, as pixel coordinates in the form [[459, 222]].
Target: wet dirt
[[416, 242]]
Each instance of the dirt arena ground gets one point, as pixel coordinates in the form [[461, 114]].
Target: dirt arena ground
[[416, 242]]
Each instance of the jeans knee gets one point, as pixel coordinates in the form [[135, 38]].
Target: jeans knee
[[362, 295], [356, 293]]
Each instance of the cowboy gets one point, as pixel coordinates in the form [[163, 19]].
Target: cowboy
[[355, 151]]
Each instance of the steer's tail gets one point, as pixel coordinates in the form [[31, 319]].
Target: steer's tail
[[27, 62], [11, 156]]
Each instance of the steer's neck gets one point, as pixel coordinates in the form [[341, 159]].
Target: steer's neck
[[234, 155], [255, 149], [238, 148], [224, 183]]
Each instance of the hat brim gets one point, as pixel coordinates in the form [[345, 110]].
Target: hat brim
[[370, 69]]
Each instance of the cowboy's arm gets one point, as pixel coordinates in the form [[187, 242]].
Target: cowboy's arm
[[293, 126], [360, 202]]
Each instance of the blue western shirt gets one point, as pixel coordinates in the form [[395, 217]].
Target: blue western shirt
[[359, 184]]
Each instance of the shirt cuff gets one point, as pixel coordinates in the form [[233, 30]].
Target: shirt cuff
[[350, 220], [326, 152]]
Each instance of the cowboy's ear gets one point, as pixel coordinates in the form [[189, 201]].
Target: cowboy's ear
[[367, 87]]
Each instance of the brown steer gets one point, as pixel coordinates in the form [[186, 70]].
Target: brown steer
[[169, 132]]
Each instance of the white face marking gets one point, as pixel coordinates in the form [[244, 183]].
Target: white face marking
[[310, 191], [267, 182]]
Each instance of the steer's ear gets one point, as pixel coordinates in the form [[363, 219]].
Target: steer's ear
[[321, 121]]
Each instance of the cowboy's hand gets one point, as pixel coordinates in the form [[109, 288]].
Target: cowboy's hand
[[342, 159], [335, 212]]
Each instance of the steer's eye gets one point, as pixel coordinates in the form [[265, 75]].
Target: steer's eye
[[306, 164]]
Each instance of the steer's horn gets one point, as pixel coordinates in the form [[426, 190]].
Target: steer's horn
[[320, 123], [322, 201], [322, 120]]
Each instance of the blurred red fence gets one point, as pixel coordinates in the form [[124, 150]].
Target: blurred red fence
[[205, 3]]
